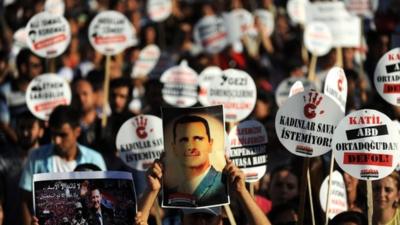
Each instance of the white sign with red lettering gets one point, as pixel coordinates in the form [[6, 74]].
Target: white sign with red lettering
[[363, 8], [110, 32], [387, 76], [283, 90], [338, 196], [56, 7], [146, 62], [248, 144], [159, 10], [240, 22], [45, 92], [139, 141], [267, 20], [366, 144], [180, 86], [48, 34], [297, 10], [296, 88], [305, 123], [206, 77], [318, 38], [210, 33], [336, 86], [236, 90]]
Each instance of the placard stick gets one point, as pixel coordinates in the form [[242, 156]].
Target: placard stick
[[312, 67], [158, 212], [310, 195], [51, 65], [230, 215], [303, 186], [361, 48], [251, 187], [339, 57], [329, 188], [106, 90], [304, 54], [370, 203]]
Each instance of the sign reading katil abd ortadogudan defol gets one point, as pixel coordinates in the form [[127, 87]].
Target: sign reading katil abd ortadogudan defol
[[140, 141], [336, 86], [305, 123], [48, 34], [210, 33], [366, 144], [248, 149]]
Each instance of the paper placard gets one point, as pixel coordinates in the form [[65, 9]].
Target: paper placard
[[267, 19], [363, 8], [318, 38], [336, 86], [210, 33], [366, 144], [338, 196], [297, 10], [148, 58], [159, 10], [45, 92], [239, 22], [48, 34], [248, 141], [283, 90], [56, 7], [305, 123], [140, 141], [206, 77], [296, 88]]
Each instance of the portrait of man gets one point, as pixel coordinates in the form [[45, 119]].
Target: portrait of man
[[98, 213], [192, 148]]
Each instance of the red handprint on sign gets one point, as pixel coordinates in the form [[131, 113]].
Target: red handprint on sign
[[312, 104], [141, 124]]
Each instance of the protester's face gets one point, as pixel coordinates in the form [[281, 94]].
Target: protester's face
[[286, 217], [284, 187], [119, 98], [29, 134], [192, 145], [64, 138], [351, 182], [201, 219], [385, 193], [85, 94], [35, 67], [95, 198]]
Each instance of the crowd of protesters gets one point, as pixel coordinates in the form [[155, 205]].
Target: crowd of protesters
[[275, 58]]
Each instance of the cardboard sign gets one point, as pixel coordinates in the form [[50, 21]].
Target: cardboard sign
[[267, 19], [56, 7], [206, 77], [336, 86], [194, 157], [159, 10], [45, 92], [387, 76], [338, 196], [318, 38], [296, 88], [345, 28], [48, 34], [210, 33], [73, 198], [297, 10], [110, 32], [283, 90], [146, 62], [236, 90], [140, 141], [366, 144], [248, 142], [180, 85], [239, 22], [305, 123], [362, 8]]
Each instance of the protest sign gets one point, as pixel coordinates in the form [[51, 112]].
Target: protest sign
[[194, 157], [140, 141], [362, 8], [74, 198], [236, 90], [305, 123], [248, 141], [266, 18], [180, 85], [283, 90], [239, 22], [206, 77], [148, 58], [366, 144], [45, 92], [296, 88], [338, 196], [210, 33], [56, 7], [387, 76], [110, 32], [336, 86], [48, 34], [297, 10], [159, 10], [318, 38]]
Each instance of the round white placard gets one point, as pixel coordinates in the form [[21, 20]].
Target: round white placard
[[283, 90], [45, 92], [140, 141], [296, 88], [206, 77], [159, 10], [180, 86], [55, 7], [148, 58], [305, 123], [297, 10], [48, 35], [336, 86], [242, 22], [210, 33], [248, 144], [110, 32], [236, 90], [387, 76], [366, 144], [318, 38], [338, 196], [267, 19]]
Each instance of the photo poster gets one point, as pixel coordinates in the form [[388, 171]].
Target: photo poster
[[194, 157], [77, 197]]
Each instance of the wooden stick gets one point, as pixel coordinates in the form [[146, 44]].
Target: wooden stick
[[312, 67], [158, 213], [230, 215], [251, 189], [51, 65], [105, 92], [310, 195], [339, 57], [370, 203], [303, 186], [329, 188]]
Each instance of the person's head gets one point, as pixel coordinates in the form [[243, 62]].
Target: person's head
[[29, 65], [349, 218], [84, 96], [120, 94], [387, 192], [64, 129], [284, 185], [29, 131], [192, 141], [205, 216], [78, 210], [95, 199], [284, 214]]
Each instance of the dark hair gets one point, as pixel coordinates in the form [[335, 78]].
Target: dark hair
[[122, 82], [191, 119], [349, 216], [28, 119], [64, 114], [87, 167]]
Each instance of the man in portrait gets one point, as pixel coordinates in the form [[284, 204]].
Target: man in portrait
[[98, 213]]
